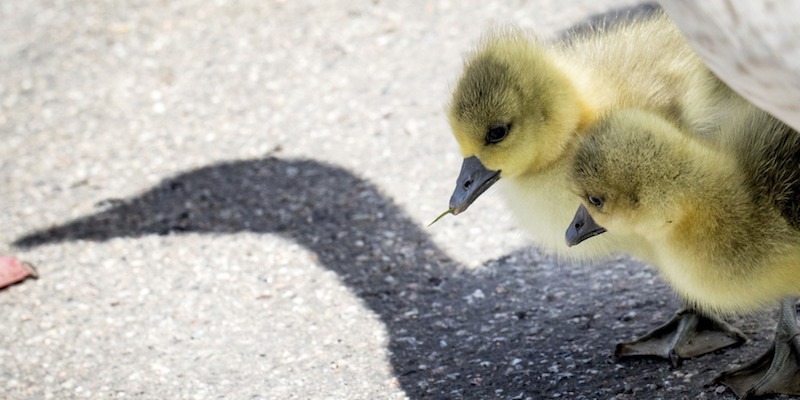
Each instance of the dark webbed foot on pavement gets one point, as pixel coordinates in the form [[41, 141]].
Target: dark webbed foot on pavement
[[689, 334], [775, 372]]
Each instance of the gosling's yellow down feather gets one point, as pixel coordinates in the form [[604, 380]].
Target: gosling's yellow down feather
[[723, 218], [538, 97]]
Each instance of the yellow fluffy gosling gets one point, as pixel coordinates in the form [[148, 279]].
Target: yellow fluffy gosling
[[723, 220], [522, 103]]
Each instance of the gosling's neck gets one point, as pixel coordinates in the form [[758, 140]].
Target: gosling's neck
[[591, 99], [574, 112], [713, 211]]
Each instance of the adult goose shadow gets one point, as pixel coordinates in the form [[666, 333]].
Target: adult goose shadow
[[518, 327]]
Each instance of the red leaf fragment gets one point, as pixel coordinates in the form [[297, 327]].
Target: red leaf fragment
[[13, 270]]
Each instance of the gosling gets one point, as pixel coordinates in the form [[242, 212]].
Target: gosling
[[723, 219], [521, 104]]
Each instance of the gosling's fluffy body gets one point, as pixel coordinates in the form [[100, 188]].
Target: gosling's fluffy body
[[549, 92], [723, 219]]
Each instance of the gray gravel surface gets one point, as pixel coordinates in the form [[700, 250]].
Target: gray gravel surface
[[228, 199]]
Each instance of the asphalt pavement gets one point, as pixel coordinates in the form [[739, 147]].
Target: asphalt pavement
[[229, 200]]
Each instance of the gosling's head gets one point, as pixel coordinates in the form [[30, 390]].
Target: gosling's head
[[511, 112], [630, 172]]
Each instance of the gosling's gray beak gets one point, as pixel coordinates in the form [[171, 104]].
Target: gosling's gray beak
[[582, 227], [473, 180]]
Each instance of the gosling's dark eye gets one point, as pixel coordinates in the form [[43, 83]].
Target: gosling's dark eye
[[595, 201], [497, 133]]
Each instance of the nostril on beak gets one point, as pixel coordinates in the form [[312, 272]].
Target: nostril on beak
[[578, 225], [467, 184]]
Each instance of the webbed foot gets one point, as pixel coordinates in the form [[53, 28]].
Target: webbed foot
[[689, 334], [778, 370]]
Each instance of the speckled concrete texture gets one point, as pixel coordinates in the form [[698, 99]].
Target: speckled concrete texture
[[228, 200]]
